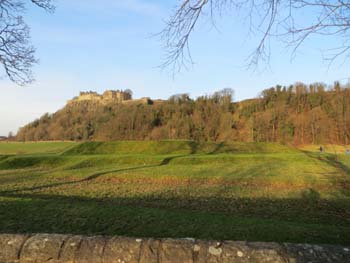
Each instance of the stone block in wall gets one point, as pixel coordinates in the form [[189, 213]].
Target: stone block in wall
[[316, 253], [176, 251], [122, 250], [259, 252], [10, 247], [235, 252], [150, 251], [207, 252], [200, 250], [69, 249], [266, 253], [91, 250], [42, 248]]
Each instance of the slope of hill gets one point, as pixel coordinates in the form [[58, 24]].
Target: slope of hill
[[298, 114]]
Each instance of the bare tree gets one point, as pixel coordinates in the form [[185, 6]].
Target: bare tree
[[283, 19], [16, 52]]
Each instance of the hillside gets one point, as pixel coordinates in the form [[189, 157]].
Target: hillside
[[298, 114]]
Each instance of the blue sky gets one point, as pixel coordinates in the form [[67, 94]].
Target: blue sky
[[109, 44]]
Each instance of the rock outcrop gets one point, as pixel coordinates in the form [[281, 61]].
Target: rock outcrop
[[80, 249]]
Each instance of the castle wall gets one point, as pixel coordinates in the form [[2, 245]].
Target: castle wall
[[144, 101], [89, 97], [109, 96]]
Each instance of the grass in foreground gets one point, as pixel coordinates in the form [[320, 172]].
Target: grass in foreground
[[261, 192]]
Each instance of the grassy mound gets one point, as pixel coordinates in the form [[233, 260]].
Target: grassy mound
[[242, 191]]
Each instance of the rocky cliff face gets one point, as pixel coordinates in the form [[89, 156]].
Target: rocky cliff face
[[80, 249]]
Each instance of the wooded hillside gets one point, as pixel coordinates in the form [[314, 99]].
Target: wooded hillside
[[298, 114]]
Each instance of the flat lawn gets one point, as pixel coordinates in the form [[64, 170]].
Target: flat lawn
[[239, 191], [33, 147]]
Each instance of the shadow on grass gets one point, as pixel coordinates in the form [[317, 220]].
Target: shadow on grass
[[89, 178], [329, 160], [217, 149], [4, 157], [194, 147], [94, 176], [306, 220], [167, 160]]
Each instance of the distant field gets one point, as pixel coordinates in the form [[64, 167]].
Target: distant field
[[328, 148], [33, 147], [240, 191]]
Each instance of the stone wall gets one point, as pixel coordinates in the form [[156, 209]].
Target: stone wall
[[143, 101], [81, 249]]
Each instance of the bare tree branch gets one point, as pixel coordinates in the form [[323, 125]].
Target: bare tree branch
[[281, 19], [16, 52], [45, 4]]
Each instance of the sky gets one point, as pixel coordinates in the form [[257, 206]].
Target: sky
[[106, 44]]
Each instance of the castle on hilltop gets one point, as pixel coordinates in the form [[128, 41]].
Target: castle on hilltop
[[109, 96]]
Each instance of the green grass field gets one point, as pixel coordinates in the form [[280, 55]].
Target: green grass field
[[33, 147], [239, 191]]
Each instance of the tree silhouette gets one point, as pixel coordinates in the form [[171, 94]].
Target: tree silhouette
[[16, 52]]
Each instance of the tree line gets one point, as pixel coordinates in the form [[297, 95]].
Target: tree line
[[297, 114]]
